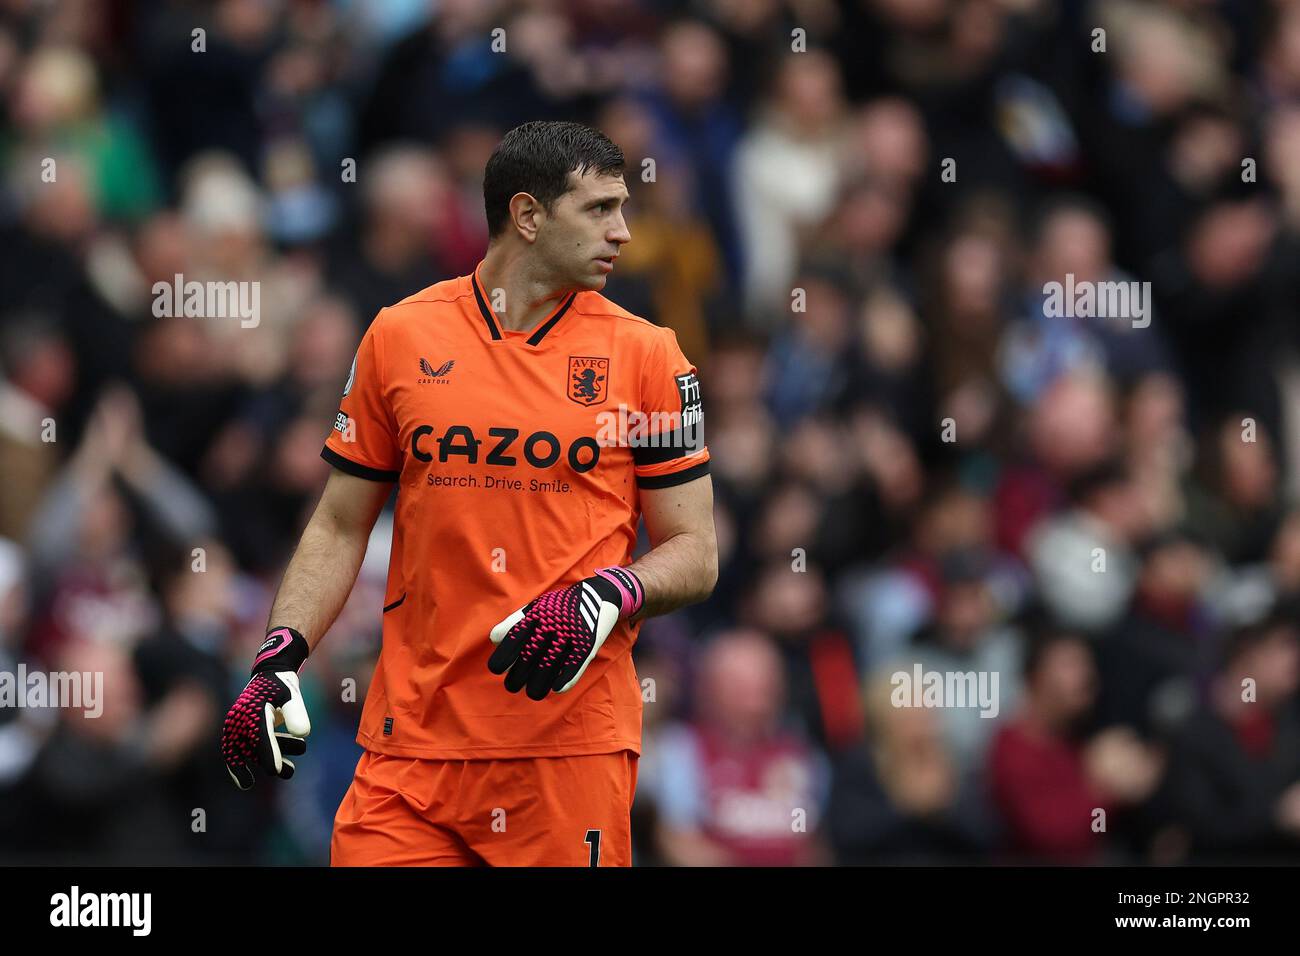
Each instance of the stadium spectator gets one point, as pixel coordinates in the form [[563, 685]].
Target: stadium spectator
[[1235, 774], [1054, 790], [900, 799], [734, 788], [855, 243]]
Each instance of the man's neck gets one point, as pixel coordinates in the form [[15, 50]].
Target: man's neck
[[519, 298]]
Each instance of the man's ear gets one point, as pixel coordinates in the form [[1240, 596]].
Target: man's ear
[[526, 214]]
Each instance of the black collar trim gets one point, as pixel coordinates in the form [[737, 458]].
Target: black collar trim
[[549, 324], [495, 330], [483, 309]]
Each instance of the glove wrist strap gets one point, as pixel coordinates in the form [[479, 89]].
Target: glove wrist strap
[[631, 591], [283, 650]]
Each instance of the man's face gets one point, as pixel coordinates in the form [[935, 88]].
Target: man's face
[[1067, 679], [582, 235]]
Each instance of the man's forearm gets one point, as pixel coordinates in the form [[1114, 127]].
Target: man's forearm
[[682, 570], [318, 580]]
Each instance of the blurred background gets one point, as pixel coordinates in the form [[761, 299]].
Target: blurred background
[[917, 467]]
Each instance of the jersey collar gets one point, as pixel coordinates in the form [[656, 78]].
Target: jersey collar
[[494, 329]]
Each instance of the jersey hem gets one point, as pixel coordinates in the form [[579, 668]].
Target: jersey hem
[[586, 749]]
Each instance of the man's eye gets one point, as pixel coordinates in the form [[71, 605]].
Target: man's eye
[[603, 207]]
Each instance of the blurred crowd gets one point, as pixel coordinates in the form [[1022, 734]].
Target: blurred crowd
[[848, 212]]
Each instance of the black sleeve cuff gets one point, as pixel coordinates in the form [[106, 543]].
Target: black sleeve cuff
[[350, 467], [677, 444], [676, 478]]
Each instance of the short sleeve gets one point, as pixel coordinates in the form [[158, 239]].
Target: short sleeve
[[363, 440], [670, 448]]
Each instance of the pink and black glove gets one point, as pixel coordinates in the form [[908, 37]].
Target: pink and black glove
[[248, 737], [547, 644]]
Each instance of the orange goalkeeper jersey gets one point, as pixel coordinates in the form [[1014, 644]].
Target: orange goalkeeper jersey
[[519, 458]]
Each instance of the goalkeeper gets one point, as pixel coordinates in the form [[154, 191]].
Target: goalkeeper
[[528, 424]]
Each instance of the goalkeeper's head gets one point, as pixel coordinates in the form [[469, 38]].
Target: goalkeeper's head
[[554, 192]]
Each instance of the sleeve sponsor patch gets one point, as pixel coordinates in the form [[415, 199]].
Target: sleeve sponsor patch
[[688, 387]]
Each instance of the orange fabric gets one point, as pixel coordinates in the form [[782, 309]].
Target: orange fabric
[[491, 436], [524, 812]]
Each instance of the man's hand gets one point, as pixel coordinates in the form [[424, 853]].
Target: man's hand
[[248, 737], [547, 644]]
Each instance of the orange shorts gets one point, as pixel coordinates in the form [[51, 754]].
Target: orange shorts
[[535, 811]]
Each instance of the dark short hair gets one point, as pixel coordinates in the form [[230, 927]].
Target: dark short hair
[[536, 158], [1048, 210], [1096, 478], [1244, 638], [1041, 643], [1043, 630]]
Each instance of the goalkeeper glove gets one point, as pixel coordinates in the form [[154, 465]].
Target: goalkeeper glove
[[548, 643], [271, 696]]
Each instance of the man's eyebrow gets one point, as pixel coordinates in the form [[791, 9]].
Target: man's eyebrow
[[604, 199]]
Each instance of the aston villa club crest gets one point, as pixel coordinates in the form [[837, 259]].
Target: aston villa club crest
[[588, 379]]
